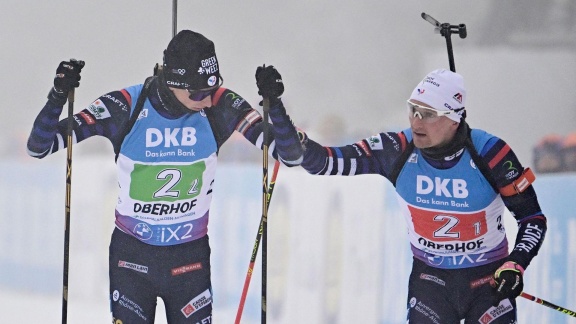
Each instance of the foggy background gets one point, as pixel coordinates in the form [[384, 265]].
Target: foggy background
[[348, 67]]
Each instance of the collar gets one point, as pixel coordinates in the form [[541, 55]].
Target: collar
[[451, 151]]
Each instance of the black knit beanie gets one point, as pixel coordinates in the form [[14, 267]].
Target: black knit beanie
[[190, 62]]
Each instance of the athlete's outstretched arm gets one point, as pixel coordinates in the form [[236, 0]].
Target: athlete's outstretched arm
[[283, 140], [373, 155]]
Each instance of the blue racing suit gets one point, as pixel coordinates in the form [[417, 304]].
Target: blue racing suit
[[166, 170], [453, 212]]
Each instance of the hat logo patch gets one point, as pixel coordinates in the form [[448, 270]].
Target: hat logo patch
[[208, 66], [421, 91], [212, 80], [431, 81], [458, 97], [179, 71]]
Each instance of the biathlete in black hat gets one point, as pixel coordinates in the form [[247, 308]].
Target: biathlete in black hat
[[452, 185], [166, 164]]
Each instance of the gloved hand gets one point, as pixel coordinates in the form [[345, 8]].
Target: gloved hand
[[67, 77], [269, 82], [508, 280]]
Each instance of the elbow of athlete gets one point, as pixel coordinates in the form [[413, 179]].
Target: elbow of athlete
[[37, 155], [35, 151], [292, 162]]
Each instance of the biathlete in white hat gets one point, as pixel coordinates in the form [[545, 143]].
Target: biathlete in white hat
[[166, 162], [452, 184]]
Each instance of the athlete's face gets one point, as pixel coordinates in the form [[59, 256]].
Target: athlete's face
[[435, 134], [184, 97]]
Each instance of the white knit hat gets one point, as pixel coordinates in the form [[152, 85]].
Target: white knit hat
[[442, 90]]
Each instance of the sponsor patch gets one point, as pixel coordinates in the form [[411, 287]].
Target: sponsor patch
[[375, 142], [494, 312], [132, 266], [425, 310], [130, 304], [187, 268], [197, 303], [432, 278], [458, 97], [479, 282], [89, 120], [99, 110], [364, 148], [143, 114], [235, 100]]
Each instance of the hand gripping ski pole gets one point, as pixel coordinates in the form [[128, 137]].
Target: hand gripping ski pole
[[69, 143], [256, 245], [548, 304], [446, 30]]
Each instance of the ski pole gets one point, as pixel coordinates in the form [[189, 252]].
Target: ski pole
[[158, 66], [446, 31], [256, 245], [264, 228], [67, 201], [548, 304], [174, 17]]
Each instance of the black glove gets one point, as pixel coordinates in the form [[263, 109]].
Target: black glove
[[269, 82], [67, 77], [508, 280]]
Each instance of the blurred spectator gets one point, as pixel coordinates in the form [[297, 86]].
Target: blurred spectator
[[569, 152], [547, 154]]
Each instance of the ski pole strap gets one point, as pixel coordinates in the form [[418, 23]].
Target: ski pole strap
[[520, 184], [137, 109], [509, 265]]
